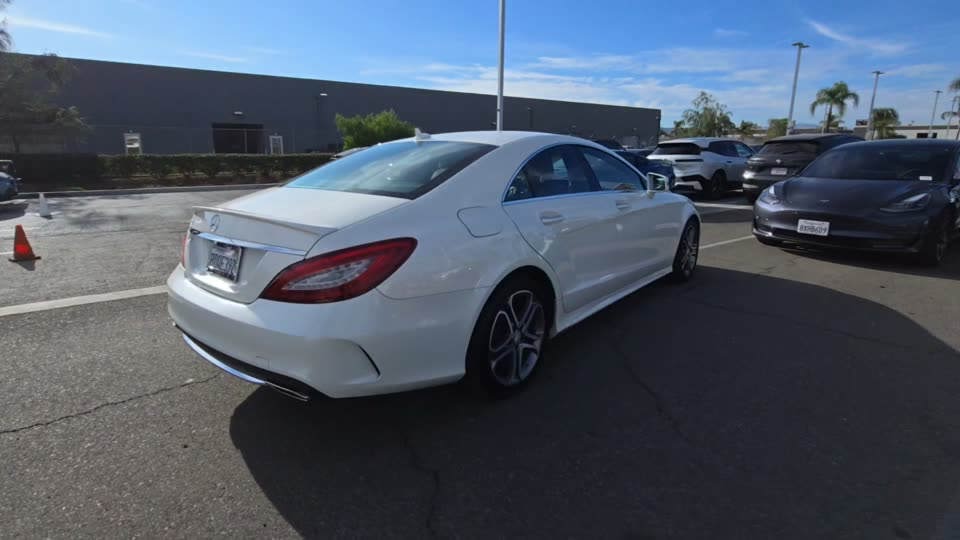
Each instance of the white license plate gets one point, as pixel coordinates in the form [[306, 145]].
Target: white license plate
[[817, 228], [779, 171], [224, 260]]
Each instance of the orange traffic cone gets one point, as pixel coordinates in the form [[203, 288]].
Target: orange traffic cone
[[21, 247]]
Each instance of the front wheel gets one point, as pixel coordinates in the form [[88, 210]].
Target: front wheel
[[685, 260], [508, 341], [935, 246]]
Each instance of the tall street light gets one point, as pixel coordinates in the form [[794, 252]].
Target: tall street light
[[796, 74], [936, 98], [503, 17], [873, 98]]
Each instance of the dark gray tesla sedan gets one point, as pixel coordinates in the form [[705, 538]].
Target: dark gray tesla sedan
[[895, 195]]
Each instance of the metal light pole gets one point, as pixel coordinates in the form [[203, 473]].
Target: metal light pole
[[873, 98], [933, 113], [796, 75], [503, 18]]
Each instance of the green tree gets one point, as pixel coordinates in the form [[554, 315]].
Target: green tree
[[955, 85], [360, 130], [678, 129], [777, 128], [834, 98], [27, 86], [885, 120], [835, 124], [5, 40], [707, 118], [747, 128]]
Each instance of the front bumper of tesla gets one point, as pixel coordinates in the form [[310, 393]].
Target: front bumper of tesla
[[368, 345], [875, 231]]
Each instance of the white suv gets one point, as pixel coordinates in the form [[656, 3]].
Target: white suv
[[704, 164]]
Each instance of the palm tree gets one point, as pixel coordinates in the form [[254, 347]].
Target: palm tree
[[885, 119], [955, 85], [949, 116], [835, 97]]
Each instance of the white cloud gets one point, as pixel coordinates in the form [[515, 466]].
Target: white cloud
[[215, 56], [588, 62], [917, 70], [728, 33], [873, 45], [53, 26]]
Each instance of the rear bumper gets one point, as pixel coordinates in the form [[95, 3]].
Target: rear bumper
[[689, 184], [756, 184], [894, 234], [367, 345]]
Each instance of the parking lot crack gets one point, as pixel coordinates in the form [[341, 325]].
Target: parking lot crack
[[107, 404], [416, 462]]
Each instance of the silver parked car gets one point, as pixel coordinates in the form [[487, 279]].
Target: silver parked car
[[706, 165]]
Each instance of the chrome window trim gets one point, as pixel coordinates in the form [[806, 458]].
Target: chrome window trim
[[245, 244]]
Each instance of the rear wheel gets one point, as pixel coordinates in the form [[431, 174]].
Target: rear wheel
[[685, 260], [508, 341], [935, 246], [717, 185]]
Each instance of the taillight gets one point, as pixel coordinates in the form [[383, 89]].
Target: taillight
[[183, 249], [340, 275]]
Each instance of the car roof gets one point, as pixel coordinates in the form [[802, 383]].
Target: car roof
[[499, 138], [702, 142], [904, 143], [801, 137]]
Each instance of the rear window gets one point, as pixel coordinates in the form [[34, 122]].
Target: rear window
[[881, 162], [683, 149], [405, 169], [789, 147]]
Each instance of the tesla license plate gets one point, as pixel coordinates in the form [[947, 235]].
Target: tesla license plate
[[224, 260], [816, 228], [779, 171]]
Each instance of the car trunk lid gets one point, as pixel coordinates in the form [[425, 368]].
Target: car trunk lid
[[236, 249], [787, 164]]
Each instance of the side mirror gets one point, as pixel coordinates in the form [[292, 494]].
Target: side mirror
[[658, 182]]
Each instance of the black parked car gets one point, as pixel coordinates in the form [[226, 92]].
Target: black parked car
[[784, 157], [900, 196], [646, 165]]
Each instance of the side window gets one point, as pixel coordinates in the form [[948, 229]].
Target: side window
[[611, 173], [743, 150], [555, 171], [724, 148]]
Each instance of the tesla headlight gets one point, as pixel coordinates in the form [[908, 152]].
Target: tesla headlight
[[909, 204], [769, 196]]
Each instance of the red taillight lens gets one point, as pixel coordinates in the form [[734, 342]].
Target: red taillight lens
[[340, 275], [183, 249]]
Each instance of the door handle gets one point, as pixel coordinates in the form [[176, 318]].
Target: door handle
[[622, 205], [731, 161], [549, 217]]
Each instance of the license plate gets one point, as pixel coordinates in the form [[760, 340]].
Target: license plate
[[224, 260], [817, 228], [779, 171]]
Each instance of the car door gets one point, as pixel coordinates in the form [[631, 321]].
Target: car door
[[644, 235], [561, 212]]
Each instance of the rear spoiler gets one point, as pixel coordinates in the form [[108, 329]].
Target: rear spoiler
[[319, 231]]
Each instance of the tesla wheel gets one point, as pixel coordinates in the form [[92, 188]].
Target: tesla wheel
[[935, 246], [508, 341], [685, 261], [718, 185]]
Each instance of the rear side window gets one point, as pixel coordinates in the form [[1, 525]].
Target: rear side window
[[789, 147], [682, 149], [404, 169], [611, 173], [555, 171], [724, 148]]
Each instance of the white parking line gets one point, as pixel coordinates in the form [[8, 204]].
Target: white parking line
[[725, 242], [725, 205], [80, 300]]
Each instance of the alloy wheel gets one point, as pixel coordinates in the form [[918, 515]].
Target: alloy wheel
[[689, 250], [516, 338]]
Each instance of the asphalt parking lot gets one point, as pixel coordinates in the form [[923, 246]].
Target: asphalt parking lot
[[779, 394]]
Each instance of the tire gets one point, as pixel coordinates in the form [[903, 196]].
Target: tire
[[717, 186], [501, 359], [688, 250], [935, 246]]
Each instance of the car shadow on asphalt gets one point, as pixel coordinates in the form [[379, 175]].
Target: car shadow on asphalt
[[727, 216], [736, 405], [888, 262], [13, 209]]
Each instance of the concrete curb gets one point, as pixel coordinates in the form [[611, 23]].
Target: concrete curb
[[143, 191]]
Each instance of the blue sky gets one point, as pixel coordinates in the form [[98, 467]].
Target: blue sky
[[649, 54]]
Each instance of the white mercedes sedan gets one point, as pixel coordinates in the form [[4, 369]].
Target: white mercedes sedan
[[420, 261]]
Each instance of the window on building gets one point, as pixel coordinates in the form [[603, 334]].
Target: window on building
[[238, 138]]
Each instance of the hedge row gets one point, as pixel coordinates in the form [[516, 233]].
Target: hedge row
[[42, 168]]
